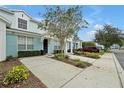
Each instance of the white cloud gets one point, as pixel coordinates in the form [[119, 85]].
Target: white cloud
[[109, 23], [91, 34], [98, 26], [38, 18]]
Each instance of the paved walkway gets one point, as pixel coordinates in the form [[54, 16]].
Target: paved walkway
[[58, 74], [51, 72], [102, 74]]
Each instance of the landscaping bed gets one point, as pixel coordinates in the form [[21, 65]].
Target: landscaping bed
[[89, 54], [74, 62], [31, 82]]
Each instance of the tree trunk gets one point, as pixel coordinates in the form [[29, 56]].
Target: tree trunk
[[62, 46]]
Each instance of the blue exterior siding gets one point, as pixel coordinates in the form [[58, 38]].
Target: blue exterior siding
[[51, 45], [37, 43], [11, 45]]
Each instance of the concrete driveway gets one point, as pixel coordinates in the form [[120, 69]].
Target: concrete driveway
[[51, 72], [54, 73]]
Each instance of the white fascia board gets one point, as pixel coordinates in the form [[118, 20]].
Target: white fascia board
[[21, 32]]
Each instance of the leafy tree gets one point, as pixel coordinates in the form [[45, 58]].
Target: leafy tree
[[108, 36], [63, 23], [90, 43], [121, 43]]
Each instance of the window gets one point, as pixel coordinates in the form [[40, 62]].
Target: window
[[21, 43], [76, 45], [56, 47], [25, 43], [22, 23], [29, 43]]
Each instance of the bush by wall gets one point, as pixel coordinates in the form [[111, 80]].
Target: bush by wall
[[29, 53], [57, 51]]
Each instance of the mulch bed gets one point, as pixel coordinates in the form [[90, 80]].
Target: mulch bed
[[72, 62], [32, 82]]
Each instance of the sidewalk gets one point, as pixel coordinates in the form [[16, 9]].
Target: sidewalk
[[102, 74]]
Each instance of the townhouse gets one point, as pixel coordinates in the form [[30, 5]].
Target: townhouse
[[19, 32]]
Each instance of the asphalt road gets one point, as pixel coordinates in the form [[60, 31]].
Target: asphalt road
[[120, 56]]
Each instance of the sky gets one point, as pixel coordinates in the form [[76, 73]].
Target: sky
[[96, 16]]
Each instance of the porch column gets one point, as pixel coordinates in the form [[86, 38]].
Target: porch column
[[66, 47], [71, 46]]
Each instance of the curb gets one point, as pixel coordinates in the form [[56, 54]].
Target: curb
[[120, 71]]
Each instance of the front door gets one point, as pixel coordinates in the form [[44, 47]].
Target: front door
[[45, 46]]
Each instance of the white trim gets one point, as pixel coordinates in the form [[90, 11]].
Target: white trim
[[23, 32], [6, 10], [2, 40], [5, 20]]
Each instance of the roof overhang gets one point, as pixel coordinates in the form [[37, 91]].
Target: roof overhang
[[8, 23], [6, 10], [22, 32]]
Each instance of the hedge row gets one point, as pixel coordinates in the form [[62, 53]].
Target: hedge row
[[29, 53], [57, 51]]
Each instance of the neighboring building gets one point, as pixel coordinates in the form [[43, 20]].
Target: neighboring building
[[99, 46], [115, 46], [19, 32]]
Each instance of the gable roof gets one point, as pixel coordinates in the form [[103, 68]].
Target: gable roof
[[15, 10], [11, 11], [6, 10]]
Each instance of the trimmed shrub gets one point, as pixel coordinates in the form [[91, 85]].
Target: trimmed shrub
[[9, 58], [76, 60], [29, 53], [82, 64], [78, 52], [57, 51], [59, 56], [101, 52], [16, 74]]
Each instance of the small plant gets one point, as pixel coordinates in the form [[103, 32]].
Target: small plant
[[59, 56], [9, 58], [101, 52], [66, 57], [78, 52], [76, 60], [16, 74], [81, 64]]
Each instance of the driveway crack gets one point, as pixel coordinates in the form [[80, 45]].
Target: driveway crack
[[76, 75]]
